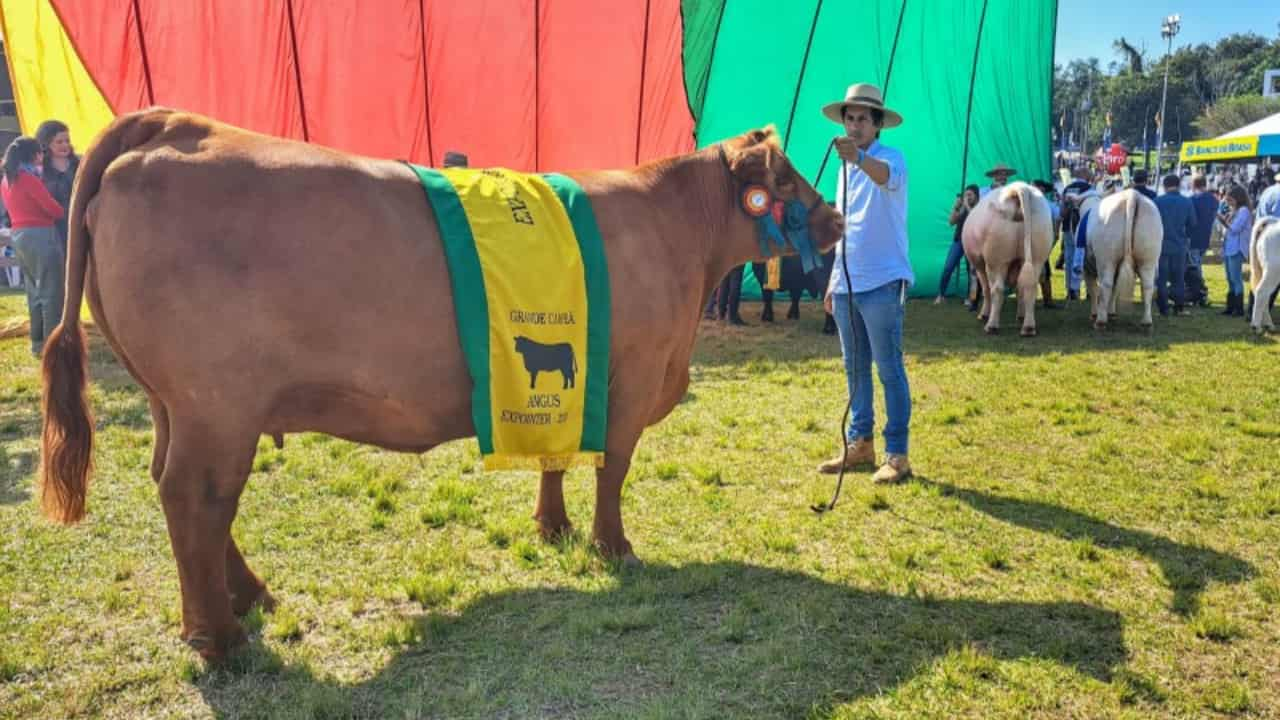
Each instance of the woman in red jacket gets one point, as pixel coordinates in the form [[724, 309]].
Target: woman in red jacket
[[32, 215]]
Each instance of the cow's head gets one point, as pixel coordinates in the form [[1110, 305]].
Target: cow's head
[[522, 343], [756, 158]]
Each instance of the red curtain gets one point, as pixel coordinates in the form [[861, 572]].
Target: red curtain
[[528, 84]]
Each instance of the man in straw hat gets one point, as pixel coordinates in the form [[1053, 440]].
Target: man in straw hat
[[869, 305], [999, 175]]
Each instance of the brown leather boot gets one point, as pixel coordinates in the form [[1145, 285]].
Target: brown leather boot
[[896, 469], [861, 454]]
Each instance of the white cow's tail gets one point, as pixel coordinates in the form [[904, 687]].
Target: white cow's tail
[[1256, 250], [1030, 271], [1125, 276]]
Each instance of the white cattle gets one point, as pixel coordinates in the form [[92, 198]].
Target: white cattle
[[1007, 239], [1124, 237], [1264, 271]]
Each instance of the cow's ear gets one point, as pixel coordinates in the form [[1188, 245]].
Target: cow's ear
[[764, 164]]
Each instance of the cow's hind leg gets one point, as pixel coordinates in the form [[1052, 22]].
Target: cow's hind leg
[[160, 421], [1147, 276], [244, 587], [204, 472], [994, 289], [1027, 281], [553, 521], [1261, 320]]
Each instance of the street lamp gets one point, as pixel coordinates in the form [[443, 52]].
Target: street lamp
[[1168, 29]]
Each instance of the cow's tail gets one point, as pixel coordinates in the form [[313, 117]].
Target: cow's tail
[[67, 435], [1125, 275], [1256, 250], [1030, 271]]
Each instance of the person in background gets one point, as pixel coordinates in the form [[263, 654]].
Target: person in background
[[1073, 196], [1179, 220], [1238, 224], [1206, 208], [33, 212], [1140, 180], [59, 171], [999, 175], [1269, 200], [965, 202]]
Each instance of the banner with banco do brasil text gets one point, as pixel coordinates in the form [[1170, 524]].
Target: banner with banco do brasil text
[[1220, 149]]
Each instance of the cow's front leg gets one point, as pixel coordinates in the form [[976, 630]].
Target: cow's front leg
[[553, 521], [533, 379]]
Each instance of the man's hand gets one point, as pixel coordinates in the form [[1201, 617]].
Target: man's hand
[[847, 149], [827, 304]]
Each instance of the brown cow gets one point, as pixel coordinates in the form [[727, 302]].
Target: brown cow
[[254, 285]]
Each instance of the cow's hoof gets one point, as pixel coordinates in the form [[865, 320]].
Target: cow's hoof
[[992, 330], [1029, 332], [554, 531], [263, 599], [1099, 326], [213, 647], [630, 562], [983, 318]]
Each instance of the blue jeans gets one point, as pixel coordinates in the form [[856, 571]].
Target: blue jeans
[[1234, 265], [1172, 272], [1196, 289], [874, 334], [954, 256]]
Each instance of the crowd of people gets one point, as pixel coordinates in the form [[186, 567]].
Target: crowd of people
[[38, 173]]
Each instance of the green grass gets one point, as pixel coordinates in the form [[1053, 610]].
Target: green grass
[[1094, 531]]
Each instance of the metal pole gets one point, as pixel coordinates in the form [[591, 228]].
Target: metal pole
[[1164, 95]]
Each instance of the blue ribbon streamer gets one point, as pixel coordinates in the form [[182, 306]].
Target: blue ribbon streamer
[[795, 220]]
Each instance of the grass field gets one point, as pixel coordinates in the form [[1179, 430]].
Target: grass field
[[1094, 532]]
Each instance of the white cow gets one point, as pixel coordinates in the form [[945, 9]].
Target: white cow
[[1264, 271], [1124, 238], [1007, 239]]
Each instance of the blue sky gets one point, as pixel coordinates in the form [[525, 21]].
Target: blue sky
[[1086, 28]]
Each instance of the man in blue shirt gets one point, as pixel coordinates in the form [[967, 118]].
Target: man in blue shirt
[[1178, 217], [1140, 179], [869, 304], [1206, 207], [1269, 200]]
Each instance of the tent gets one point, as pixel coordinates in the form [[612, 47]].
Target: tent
[[1257, 139], [563, 84]]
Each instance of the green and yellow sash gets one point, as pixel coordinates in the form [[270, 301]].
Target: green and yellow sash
[[531, 291]]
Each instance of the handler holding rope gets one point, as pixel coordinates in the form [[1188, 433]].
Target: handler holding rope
[[869, 305]]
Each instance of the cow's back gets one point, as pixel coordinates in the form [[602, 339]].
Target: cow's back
[[237, 268]]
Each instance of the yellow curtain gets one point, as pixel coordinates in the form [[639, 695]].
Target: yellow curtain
[[49, 78]]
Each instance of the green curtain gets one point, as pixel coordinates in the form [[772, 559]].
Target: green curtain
[[780, 62]]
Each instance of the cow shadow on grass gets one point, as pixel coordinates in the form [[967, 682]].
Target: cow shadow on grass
[[721, 639], [1187, 569]]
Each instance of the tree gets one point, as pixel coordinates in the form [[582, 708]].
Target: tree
[[1231, 113]]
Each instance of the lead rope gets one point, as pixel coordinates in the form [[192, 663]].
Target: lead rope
[[822, 508]]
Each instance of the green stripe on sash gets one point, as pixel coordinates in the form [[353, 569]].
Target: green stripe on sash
[[470, 302], [599, 314]]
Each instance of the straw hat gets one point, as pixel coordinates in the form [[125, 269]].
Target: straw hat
[[1001, 169], [861, 95]]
